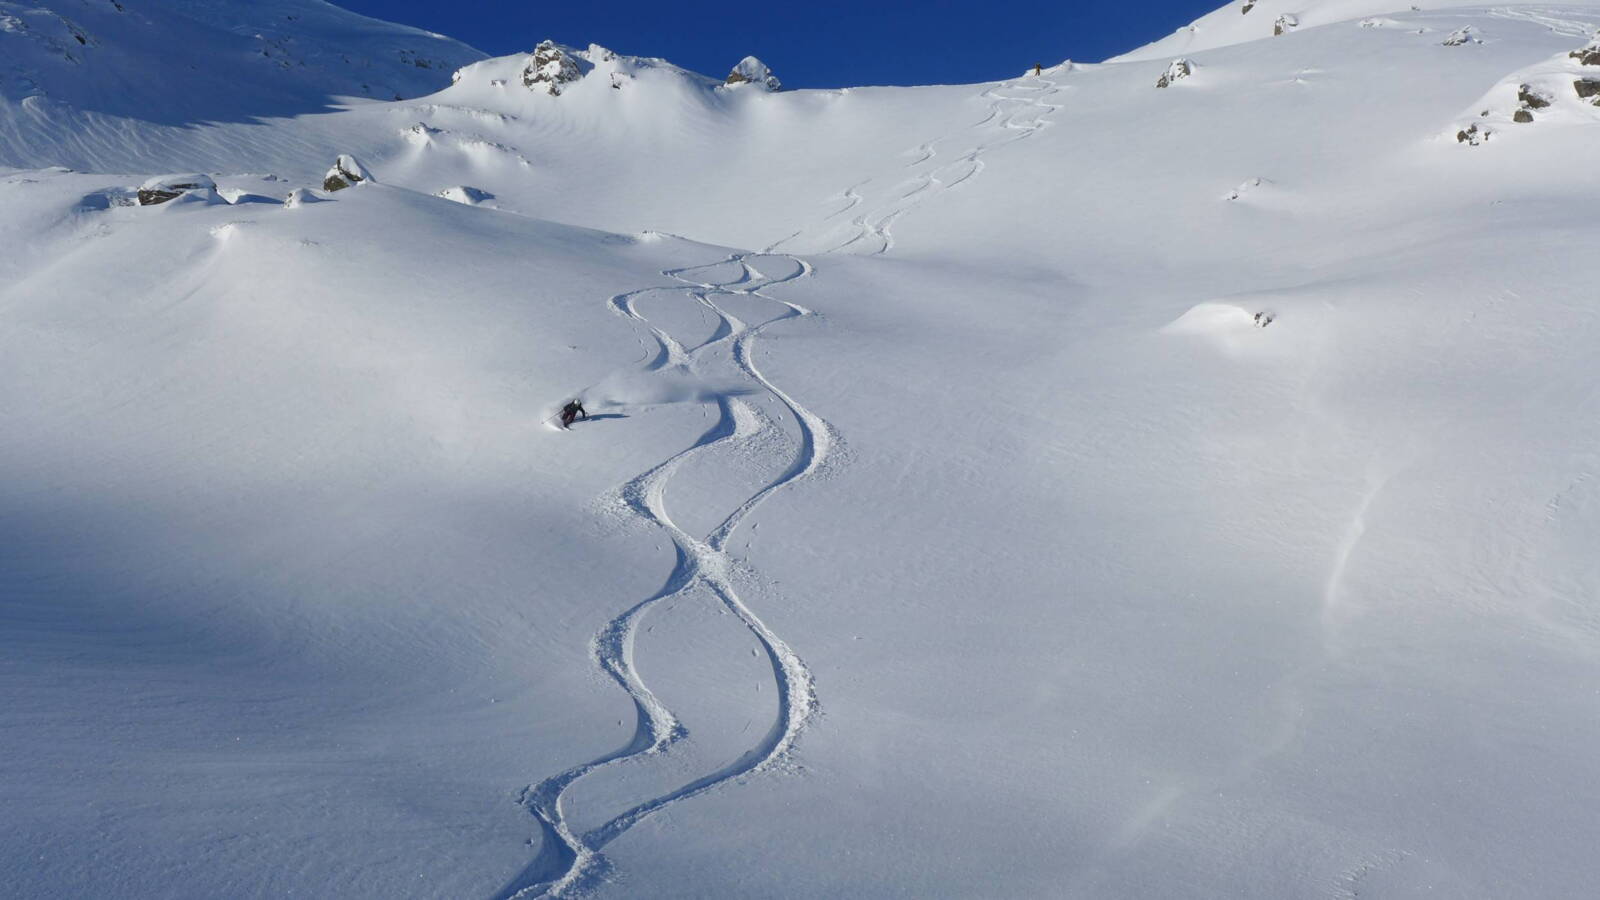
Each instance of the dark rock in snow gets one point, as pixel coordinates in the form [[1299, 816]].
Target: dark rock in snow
[[1248, 5], [170, 187], [753, 71], [1285, 24], [346, 172], [1586, 88], [1522, 117], [1472, 135], [1462, 36], [1531, 98], [550, 69], [1589, 55]]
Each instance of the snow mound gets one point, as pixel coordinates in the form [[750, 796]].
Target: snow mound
[[463, 194], [1214, 318], [300, 197]]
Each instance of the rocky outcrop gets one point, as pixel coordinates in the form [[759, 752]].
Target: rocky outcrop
[[1177, 71], [347, 171], [550, 69], [1462, 36], [1589, 55], [1285, 24], [1248, 5], [1588, 89], [163, 188], [1529, 100], [1472, 135], [753, 71]]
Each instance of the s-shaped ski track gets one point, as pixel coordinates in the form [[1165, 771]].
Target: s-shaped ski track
[[571, 861], [1018, 109]]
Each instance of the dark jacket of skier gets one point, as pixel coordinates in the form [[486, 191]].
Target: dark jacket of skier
[[572, 411]]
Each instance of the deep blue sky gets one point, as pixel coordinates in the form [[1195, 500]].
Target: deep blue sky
[[831, 43]]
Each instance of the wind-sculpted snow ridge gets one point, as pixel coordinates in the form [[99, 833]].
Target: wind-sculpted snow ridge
[[572, 861], [1012, 116]]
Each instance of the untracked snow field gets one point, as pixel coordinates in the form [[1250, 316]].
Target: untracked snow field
[[1057, 487]]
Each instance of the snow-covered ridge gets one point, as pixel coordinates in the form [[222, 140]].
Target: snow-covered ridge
[[70, 67], [1243, 21], [552, 69]]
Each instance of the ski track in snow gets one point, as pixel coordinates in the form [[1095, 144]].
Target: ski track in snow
[[1550, 17], [1011, 117], [570, 862]]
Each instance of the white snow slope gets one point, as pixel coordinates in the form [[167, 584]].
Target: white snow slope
[[946, 524]]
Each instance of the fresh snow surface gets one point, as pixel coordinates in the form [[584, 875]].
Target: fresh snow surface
[[947, 524]]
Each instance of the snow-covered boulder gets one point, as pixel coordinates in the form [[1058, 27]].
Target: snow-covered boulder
[[1285, 24], [300, 197], [753, 71], [466, 195], [1588, 88], [421, 133], [1177, 71], [162, 188], [1462, 36], [347, 171], [1247, 187], [550, 69], [1588, 55]]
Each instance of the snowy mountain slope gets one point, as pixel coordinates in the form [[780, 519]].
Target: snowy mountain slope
[[986, 545], [148, 70], [282, 400]]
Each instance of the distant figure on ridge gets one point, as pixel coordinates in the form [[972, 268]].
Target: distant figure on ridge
[[572, 411], [1038, 69]]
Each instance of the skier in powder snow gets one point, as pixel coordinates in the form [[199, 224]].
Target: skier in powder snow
[[572, 411]]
